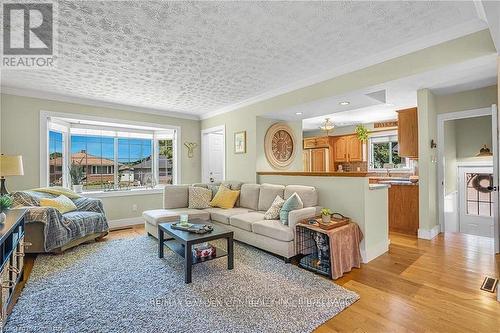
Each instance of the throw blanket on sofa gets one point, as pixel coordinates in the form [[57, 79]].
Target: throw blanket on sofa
[[60, 229]]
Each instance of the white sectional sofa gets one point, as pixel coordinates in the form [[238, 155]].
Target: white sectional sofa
[[246, 219]]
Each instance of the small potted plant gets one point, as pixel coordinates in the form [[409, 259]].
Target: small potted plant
[[77, 176], [326, 215], [5, 204]]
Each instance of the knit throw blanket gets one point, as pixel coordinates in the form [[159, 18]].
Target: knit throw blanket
[[60, 229]]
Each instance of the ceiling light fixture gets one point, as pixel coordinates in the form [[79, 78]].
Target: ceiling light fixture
[[298, 113], [327, 126], [345, 103]]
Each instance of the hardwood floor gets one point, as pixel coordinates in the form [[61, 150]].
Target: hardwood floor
[[418, 286]]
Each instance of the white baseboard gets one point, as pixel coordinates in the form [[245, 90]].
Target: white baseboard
[[123, 223], [375, 251], [429, 233]]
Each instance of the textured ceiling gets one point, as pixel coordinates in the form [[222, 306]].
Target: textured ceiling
[[199, 57]]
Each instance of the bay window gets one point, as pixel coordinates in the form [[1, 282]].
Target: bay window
[[105, 156]]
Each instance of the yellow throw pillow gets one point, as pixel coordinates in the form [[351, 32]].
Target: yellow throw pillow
[[225, 198], [61, 203], [58, 190]]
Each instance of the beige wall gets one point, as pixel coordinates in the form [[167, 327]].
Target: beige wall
[[20, 134], [427, 161], [244, 118], [450, 157], [369, 209], [467, 100], [471, 135]]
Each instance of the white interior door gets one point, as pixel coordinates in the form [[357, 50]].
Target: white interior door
[[213, 156], [496, 174], [476, 201]]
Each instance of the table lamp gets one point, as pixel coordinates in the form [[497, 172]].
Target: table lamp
[[9, 166]]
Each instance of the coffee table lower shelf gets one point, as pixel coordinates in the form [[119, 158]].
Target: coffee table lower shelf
[[178, 248]]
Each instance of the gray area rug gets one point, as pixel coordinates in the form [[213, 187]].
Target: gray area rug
[[122, 286]]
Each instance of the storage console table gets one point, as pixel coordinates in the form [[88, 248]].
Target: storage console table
[[12, 255]]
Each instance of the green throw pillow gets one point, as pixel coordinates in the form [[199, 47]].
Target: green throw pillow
[[292, 203]]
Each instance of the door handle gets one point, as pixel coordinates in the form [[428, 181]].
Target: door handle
[[492, 188]]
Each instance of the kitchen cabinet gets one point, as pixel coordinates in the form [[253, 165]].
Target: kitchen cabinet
[[403, 209], [317, 160], [318, 154], [348, 148], [408, 133]]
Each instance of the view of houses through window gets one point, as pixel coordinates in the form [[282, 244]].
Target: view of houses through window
[[105, 162], [383, 153]]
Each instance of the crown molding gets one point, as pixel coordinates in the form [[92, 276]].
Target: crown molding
[[16, 91], [401, 50]]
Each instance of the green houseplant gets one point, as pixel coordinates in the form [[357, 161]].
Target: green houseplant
[[326, 215], [362, 132], [77, 176], [5, 204]]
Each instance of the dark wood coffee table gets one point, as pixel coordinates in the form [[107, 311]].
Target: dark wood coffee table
[[183, 242]]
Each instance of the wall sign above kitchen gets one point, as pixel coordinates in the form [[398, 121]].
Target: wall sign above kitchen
[[385, 124]]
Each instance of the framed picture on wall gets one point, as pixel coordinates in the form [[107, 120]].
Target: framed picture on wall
[[240, 142]]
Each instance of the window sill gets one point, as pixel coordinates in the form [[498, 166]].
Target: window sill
[[122, 193]]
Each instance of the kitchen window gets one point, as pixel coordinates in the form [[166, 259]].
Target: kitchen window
[[383, 153], [110, 156]]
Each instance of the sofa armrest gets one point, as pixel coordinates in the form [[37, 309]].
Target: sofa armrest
[[85, 204], [299, 214], [40, 214]]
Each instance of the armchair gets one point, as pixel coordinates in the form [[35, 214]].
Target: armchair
[[50, 231]]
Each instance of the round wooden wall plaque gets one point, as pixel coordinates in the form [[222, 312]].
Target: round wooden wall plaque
[[279, 145]]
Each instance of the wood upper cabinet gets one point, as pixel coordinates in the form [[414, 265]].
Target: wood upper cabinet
[[354, 149], [340, 149], [348, 149], [317, 142], [408, 133]]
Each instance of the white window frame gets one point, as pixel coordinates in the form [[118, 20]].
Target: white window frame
[[45, 119], [409, 162]]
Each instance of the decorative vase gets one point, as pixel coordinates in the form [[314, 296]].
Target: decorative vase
[[326, 218], [78, 188], [2, 217]]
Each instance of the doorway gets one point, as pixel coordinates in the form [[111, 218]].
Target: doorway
[[467, 178], [213, 154], [476, 200]]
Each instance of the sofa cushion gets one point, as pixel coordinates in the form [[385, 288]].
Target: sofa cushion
[[199, 197], [175, 196], [308, 194], [156, 216], [62, 203], [245, 221], [273, 229], [234, 185], [273, 213], [292, 203], [249, 196], [225, 198], [222, 215], [268, 193]]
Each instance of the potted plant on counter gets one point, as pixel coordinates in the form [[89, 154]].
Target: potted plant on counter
[[326, 215], [5, 204]]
